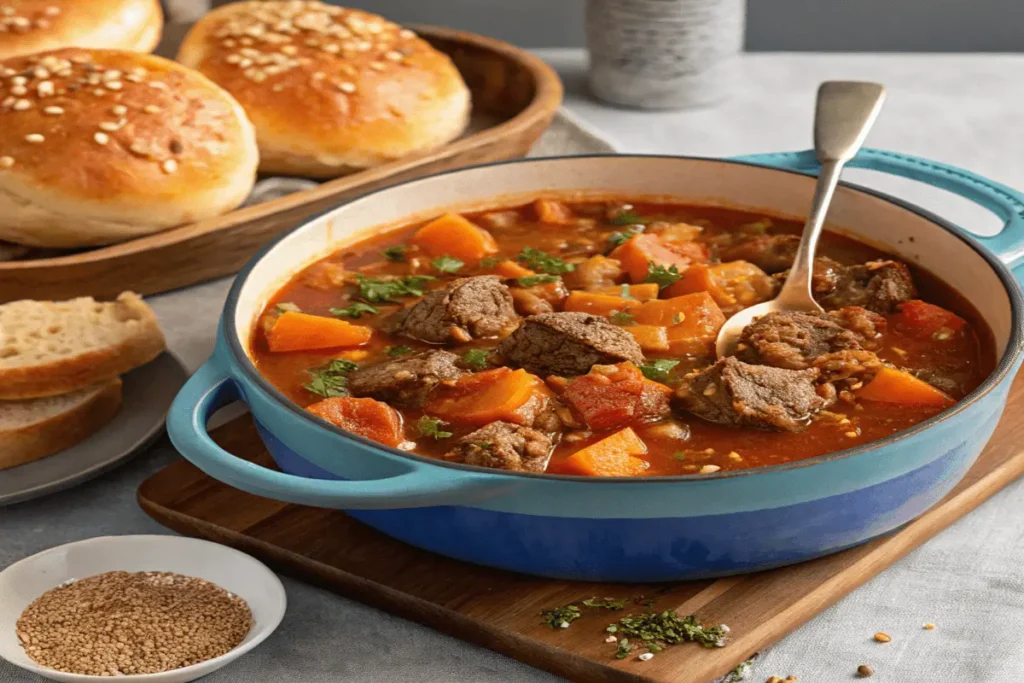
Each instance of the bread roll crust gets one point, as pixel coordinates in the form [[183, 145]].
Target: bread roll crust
[[330, 90], [39, 25], [98, 146]]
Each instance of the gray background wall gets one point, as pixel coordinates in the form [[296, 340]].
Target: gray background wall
[[818, 25]]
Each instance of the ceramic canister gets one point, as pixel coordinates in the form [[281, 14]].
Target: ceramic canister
[[664, 54]]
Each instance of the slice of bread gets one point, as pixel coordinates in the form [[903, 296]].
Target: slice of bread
[[36, 428], [49, 348]]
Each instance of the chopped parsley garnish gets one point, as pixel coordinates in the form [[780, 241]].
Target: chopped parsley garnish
[[534, 280], [331, 380], [661, 275], [620, 236], [544, 262], [656, 630], [384, 290], [356, 310], [397, 350], [605, 603], [679, 455], [288, 306], [629, 218], [659, 369], [447, 264], [623, 649], [561, 617], [488, 263], [740, 673], [476, 358], [395, 253], [621, 318], [431, 426]]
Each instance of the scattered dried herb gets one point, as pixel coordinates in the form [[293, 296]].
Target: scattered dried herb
[[629, 218], [355, 310], [605, 603], [622, 236], [544, 262], [331, 380], [447, 264], [395, 351], [431, 426], [659, 369], [561, 617], [534, 280], [476, 358], [395, 253], [656, 630], [622, 318], [661, 275], [384, 290]]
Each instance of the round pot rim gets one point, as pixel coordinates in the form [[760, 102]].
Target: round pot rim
[[1014, 346]]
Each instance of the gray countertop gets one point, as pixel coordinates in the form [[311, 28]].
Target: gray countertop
[[959, 109]]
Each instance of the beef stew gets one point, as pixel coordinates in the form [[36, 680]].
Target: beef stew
[[577, 337]]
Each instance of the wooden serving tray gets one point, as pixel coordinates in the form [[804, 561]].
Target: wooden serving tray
[[499, 610], [515, 96]]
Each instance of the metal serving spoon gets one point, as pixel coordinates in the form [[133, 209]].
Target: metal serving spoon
[[844, 114]]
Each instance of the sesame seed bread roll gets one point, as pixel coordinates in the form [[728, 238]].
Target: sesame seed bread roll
[[28, 26], [101, 146], [330, 90]]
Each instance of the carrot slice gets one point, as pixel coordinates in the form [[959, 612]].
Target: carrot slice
[[296, 331], [364, 416], [650, 337], [511, 269], [641, 292], [499, 394], [455, 235], [612, 456], [636, 253], [598, 304], [733, 286], [896, 386], [693, 321]]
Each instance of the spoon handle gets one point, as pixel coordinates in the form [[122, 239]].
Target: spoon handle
[[845, 113]]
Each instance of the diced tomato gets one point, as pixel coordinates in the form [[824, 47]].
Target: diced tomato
[[610, 397]]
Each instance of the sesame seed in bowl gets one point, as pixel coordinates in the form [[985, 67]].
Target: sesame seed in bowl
[[180, 608]]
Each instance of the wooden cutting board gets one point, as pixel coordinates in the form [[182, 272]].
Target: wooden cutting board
[[499, 610]]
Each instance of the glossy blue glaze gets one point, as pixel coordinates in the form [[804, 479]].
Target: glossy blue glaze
[[616, 529]]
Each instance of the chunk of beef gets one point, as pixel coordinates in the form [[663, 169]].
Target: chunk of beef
[[792, 340], [405, 380], [862, 322], [770, 253], [855, 365], [734, 393], [503, 446], [877, 286], [568, 344], [469, 308]]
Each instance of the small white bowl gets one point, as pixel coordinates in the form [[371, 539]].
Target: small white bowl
[[26, 580]]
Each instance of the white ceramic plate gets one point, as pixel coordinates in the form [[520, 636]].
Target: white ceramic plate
[[148, 392], [234, 571]]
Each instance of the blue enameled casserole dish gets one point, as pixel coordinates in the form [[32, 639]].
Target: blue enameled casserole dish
[[620, 529]]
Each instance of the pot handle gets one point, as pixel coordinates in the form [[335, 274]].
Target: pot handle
[[421, 485], [1004, 202]]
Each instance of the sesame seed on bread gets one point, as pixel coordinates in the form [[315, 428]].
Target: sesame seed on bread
[[28, 26], [330, 90], [100, 146]]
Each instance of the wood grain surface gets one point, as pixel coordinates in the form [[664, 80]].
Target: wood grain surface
[[511, 86], [499, 610]]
